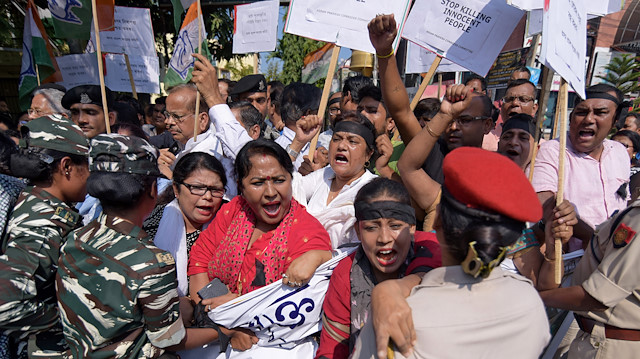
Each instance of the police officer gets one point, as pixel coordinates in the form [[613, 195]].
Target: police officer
[[605, 295], [116, 290], [53, 157]]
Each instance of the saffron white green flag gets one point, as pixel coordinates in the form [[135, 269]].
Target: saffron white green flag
[[181, 63], [178, 10], [37, 57], [316, 64]]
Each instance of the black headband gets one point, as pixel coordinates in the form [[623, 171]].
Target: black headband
[[519, 123], [356, 129], [333, 100], [603, 95], [385, 209]]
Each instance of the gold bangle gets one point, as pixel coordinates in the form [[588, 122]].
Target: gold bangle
[[385, 56], [431, 131]]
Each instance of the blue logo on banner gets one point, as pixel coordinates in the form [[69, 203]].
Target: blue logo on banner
[[61, 10]]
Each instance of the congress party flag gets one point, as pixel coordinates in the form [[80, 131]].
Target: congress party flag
[[178, 10], [181, 63], [72, 18], [37, 57], [316, 64]]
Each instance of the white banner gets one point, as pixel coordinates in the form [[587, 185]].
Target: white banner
[[256, 27], [145, 70], [80, 69], [419, 61], [594, 7], [470, 33], [343, 22], [564, 41], [133, 33]]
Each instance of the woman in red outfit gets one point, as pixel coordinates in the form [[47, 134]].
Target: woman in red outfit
[[390, 248], [255, 239]]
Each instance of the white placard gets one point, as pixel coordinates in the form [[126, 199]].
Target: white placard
[[535, 22], [80, 69], [133, 33], [594, 7], [564, 41], [256, 27], [146, 74], [419, 61], [343, 22], [470, 33]]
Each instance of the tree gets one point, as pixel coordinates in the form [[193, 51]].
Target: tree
[[273, 70], [291, 50], [623, 73]]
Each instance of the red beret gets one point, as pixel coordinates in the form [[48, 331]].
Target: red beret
[[489, 181]]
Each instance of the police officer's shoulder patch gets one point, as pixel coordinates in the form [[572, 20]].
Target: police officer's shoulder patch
[[64, 213], [622, 235], [165, 259]]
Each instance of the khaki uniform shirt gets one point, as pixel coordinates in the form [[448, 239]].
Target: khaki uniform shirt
[[609, 272], [457, 316], [117, 292]]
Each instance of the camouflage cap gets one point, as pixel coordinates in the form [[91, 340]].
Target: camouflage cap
[[125, 154], [56, 133]]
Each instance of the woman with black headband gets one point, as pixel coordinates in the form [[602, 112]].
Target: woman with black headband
[[385, 226], [328, 193], [470, 305]]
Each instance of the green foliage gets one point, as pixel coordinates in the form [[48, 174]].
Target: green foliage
[[11, 24], [220, 24], [291, 50], [623, 73], [273, 70], [241, 70]]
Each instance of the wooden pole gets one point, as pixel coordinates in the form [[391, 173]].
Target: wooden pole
[[255, 63], [547, 79], [37, 74], [325, 96], [425, 82], [562, 105], [96, 30], [195, 118], [439, 85], [133, 84]]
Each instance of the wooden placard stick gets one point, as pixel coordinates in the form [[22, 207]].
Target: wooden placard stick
[[425, 82], [562, 107], [96, 30], [547, 78], [439, 85], [133, 84], [325, 96], [195, 118], [37, 74]]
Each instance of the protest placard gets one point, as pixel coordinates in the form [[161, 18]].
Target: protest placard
[[80, 69], [564, 41], [145, 70], [419, 61], [505, 64], [470, 33], [597, 8], [343, 22], [256, 27], [133, 33]]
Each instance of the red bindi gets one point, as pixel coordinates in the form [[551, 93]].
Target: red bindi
[[268, 178]]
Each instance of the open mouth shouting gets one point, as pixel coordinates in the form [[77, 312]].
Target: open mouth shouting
[[272, 209], [586, 134], [387, 256], [341, 159]]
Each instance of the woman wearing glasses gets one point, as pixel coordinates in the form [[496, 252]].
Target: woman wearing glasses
[[198, 186]]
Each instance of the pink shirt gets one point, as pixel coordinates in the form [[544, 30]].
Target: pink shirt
[[589, 185]]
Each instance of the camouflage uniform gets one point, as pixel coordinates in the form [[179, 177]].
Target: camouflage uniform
[[118, 292], [31, 246]]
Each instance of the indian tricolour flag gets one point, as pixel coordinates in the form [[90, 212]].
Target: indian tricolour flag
[[316, 64], [72, 18], [37, 57], [181, 63], [178, 10]]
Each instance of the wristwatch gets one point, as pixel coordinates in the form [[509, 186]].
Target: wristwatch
[[293, 153]]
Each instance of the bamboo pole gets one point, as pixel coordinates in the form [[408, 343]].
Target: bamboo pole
[[325, 96], [195, 118], [425, 82], [547, 79], [96, 30], [439, 85], [133, 84], [562, 106], [37, 74]]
